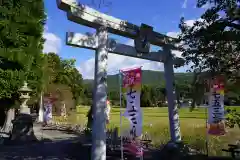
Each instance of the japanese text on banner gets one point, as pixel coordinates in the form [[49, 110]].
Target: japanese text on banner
[[216, 109], [132, 91]]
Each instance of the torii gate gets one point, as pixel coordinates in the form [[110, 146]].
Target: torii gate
[[143, 36]]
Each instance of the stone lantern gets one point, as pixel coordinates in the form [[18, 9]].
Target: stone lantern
[[22, 131], [24, 97]]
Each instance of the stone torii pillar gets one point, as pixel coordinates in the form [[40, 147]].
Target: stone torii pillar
[[100, 96], [100, 42]]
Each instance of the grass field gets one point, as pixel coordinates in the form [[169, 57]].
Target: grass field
[[192, 126]]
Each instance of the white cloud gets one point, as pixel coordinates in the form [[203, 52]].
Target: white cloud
[[52, 42], [205, 6], [130, 42], [190, 22], [184, 5], [45, 28], [116, 62], [173, 34], [87, 68]]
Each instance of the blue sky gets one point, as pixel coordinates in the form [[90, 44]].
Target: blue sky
[[163, 15]]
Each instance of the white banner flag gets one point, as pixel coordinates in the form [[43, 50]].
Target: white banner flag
[[48, 111], [132, 91], [134, 112], [216, 108]]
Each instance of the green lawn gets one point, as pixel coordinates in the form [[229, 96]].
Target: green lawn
[[192, 127]]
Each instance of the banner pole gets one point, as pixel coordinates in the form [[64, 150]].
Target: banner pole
[[141, 158], [120, 100], [206, 114], [206, 129]]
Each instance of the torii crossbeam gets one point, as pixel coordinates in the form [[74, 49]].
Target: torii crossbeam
[[100, 42], [90, 42]]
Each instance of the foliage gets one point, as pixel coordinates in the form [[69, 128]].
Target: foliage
[[145, 96], [188, 86], [86, 99], [63, 71], [53, 67], [212, 43], [10, 82], [233, 118], [21, 43], [153, 88]]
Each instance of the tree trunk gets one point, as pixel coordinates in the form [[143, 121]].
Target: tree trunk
[[7, 127]]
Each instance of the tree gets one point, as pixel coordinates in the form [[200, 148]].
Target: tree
[[212, 43], [156, 95], [53, 67], [21, 43], [145, 96], [72, 78], [86, 98], [114, 97], [63, 71]]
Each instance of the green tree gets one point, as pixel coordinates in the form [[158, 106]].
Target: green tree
[[114, 97], [145, 96], [63, 71], [157, 97], [87, 97], [21, 43], [53, 67], [70, 76], [212, 43]]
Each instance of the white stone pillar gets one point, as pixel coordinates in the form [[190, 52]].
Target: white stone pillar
[[171, 97], [100, 97]]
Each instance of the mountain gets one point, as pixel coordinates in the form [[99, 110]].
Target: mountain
[[152, 78]]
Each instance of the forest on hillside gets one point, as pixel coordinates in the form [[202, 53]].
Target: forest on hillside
[[153, 93]]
